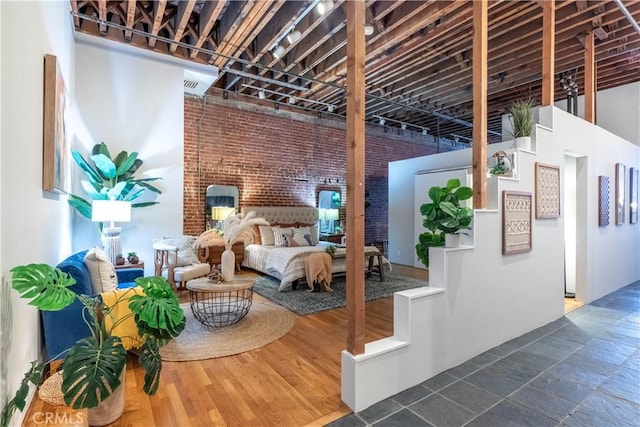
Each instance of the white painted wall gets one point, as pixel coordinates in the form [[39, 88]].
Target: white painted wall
[[608, 257], [617, 110], [402, 203], [132, 103], [35, 226], [478, 298]]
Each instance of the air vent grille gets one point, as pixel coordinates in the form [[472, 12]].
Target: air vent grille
[[190, 84]]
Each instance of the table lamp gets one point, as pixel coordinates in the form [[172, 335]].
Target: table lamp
[[111, 211], [220, 213]]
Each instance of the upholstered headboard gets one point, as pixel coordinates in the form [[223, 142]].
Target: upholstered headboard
[[284, 214]]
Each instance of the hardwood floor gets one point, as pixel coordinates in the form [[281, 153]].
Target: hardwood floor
[[294, 381]]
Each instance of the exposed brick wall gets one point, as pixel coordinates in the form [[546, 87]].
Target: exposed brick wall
[[276, 160]]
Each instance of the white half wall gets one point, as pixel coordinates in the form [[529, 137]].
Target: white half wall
[[35, 226], [132, 103], [477, 297]]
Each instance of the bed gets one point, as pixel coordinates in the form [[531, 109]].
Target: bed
[[287, 263]]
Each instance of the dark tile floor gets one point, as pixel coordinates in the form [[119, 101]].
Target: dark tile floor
[[580, 370]]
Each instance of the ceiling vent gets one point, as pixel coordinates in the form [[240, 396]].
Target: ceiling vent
[[197, 82]]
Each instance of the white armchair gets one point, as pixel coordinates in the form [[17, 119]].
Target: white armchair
[[175, 259]]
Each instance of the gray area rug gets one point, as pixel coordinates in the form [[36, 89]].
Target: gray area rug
[[303, 302]]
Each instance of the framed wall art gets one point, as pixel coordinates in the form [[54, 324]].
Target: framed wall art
[[619, 200], [633, 195], [516, 222], [55, 143], [603, 201], [547, 191]]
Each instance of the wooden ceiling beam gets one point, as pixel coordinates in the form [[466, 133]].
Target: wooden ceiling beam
[[131, 15], [102, 16], [208, 16], [158, 13], [183, 15]]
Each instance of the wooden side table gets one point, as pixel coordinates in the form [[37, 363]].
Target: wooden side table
[[129, 265], [213, 254], [333, 238]]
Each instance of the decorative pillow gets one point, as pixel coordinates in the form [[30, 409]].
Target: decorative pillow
[[313, 231], [278, 234], [302, 236], [101, 270], [186, 254], [266, 235], [288, 238], [257, 239]]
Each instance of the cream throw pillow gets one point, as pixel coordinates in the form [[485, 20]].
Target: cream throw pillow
[[101, 270], [266, 235]]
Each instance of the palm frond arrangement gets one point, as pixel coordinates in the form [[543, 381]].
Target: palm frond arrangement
[[235, 229]]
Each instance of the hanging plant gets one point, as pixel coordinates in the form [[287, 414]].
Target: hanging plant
[[110, 179]]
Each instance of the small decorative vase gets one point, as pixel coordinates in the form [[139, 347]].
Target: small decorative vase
[[228, 264], [523, 143]]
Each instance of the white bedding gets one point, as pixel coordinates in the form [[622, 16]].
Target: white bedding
[[287, 264]]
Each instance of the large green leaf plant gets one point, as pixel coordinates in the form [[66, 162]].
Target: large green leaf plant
[[110, 179], [443, 215], [93, 365]]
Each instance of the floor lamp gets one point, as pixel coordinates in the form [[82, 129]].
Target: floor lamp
[[111, 211]]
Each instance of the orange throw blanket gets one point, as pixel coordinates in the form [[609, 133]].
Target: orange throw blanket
[[127, 329], [318, 269]]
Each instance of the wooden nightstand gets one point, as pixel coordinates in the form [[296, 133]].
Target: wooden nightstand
[[128, 265], [213, 254], [333, 238]]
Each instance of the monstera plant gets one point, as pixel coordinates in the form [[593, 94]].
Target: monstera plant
[[94, 364], [110, 179]]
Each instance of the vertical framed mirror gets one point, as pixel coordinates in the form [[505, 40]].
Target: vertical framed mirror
[[329, 211], [220, 201]]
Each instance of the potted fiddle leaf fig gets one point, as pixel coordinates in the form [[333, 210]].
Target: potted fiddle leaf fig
[[110, 179], [93, 368], [444, 218]]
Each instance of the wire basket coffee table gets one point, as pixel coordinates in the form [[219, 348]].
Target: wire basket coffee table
[[220, 304]]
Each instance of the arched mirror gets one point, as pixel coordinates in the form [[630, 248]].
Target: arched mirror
[[221, 201], [329, 210]]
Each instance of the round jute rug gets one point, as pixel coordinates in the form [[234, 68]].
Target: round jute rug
[[265, 323]]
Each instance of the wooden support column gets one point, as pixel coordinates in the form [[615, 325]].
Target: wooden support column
[[548, 50], [589, 78], [479, 148], [355, 11]]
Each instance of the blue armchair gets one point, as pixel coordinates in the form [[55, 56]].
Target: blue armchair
[[63, 328]]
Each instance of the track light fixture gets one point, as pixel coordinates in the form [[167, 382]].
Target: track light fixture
[[368, 30], [403, 126], [261, 94], [292, 100], [381, 121], [294, 36], [330, 108], [278, 52], [324, 6]]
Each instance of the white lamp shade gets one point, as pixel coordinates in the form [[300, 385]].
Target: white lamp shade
[[111, 210], [333, 214], [322, 214], [220, 213]]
